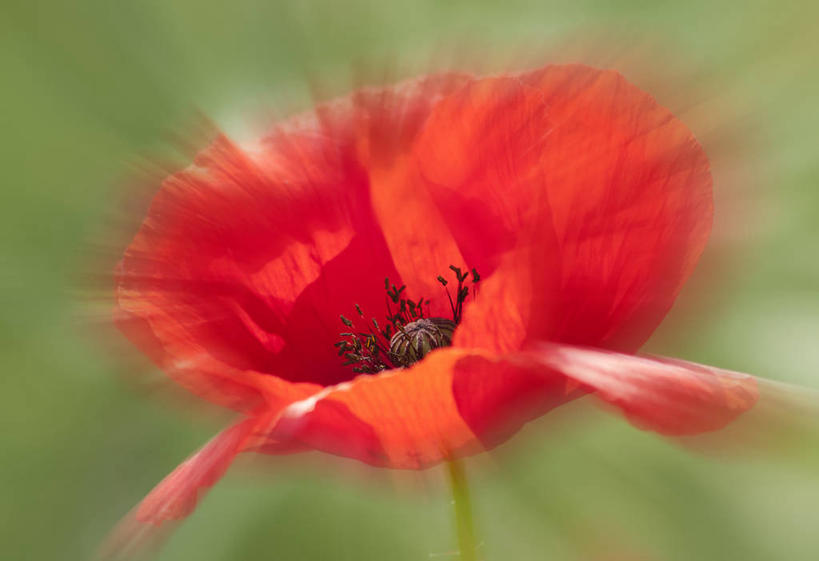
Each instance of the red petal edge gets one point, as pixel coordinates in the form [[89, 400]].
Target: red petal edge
[[459, 402], [668, 396], [454, 403], [583, 203], [402, 419], [176, 496]]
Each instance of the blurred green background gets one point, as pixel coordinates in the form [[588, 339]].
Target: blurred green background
[[89, 87]]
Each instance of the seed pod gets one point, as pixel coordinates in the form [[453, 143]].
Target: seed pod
[[416, 339]]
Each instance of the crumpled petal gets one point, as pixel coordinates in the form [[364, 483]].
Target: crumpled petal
[[588, 201], [247, 259]]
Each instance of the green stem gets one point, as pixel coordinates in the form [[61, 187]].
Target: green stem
[[462, 508]]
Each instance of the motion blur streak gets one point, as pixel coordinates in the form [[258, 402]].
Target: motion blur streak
[[89, 85]]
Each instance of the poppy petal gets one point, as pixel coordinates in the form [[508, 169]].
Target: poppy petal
[[497, 395], [405, 419], [783, 421], [668, 396], [674, 398], [458, 402], [246, 261], [418, 236], [176, 496], [596, 197], [248, 258]]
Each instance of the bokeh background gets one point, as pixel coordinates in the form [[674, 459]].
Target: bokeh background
[[91, 87]]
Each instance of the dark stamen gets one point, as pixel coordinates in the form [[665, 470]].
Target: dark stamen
[[408, 335]]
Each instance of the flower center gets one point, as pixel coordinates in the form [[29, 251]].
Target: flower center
[[408, 335], [416, 339]]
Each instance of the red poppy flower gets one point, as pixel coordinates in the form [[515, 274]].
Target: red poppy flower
[[570, 205]]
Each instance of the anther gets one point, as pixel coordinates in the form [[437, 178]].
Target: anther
[[408, 336]]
